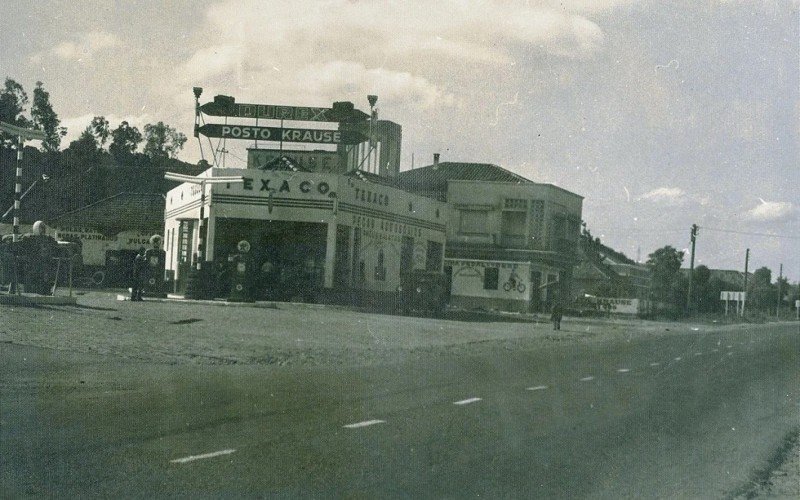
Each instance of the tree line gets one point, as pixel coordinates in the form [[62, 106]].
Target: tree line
[[101, 162], [668, 287]]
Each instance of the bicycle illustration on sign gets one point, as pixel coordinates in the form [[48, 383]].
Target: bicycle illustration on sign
[[514, 283]]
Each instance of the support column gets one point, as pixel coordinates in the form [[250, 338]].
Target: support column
[[330, 254], [211, 227]]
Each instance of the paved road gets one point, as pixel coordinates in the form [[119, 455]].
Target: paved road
[[689, 415]]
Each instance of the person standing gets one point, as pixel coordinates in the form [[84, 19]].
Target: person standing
[[139, 271], [556, 315]]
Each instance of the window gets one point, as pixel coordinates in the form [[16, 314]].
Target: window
[[380, 269], [515, 204], [491, 277], [513, 229], [185, 236], [407, 254], [474, 222]]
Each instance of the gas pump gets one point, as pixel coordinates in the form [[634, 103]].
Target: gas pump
[[156, 259], [241, 274]]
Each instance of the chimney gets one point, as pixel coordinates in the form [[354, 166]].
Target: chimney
[[435, 160]]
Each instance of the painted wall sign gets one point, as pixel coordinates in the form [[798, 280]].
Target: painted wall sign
[[315, 161]]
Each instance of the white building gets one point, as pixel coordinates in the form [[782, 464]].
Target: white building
[[321, 235]]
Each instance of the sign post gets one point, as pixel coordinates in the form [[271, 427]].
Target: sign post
[[22, 134]]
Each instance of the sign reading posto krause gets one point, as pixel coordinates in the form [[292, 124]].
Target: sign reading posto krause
[[250, 132]]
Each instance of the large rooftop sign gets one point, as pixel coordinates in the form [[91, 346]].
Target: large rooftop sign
[[227, 106], [282, 134]]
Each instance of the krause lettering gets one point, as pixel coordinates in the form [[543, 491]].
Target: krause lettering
[[325, 136]]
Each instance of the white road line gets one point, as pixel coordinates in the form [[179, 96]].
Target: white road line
[[678, 358], [537, 388], [654, 364], [586, 379], [730, 353], [467, 401], [365, 423], [729, 346], [623, 370], [192, 458], [714, 350], [698, 354]]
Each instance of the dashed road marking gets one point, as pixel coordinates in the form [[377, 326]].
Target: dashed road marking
[[365, 423], [698, 354], [730, 353], [678, 358], [466, 401], [729, 346], [623, 370], [537, 388], [192, 458], [655, 363], [586, 379], [714, 350]]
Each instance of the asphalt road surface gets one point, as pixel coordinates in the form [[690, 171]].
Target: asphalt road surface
[[694, 415]]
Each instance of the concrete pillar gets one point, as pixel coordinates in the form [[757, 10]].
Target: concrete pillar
[[330, 254]]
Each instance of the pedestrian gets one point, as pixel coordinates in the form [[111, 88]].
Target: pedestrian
[[556, 315], [139, 270]]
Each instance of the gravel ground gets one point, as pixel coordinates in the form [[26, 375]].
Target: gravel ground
[[288, 334]]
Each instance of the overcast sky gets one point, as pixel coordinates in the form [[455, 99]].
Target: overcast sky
[[660, 113]]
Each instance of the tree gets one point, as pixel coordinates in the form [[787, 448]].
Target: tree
[[762, 292], [12, 104], [162, 141], [124, 141], [665, 264], [46, 120], [100, 130]]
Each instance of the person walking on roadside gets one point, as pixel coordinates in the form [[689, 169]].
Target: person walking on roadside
[[556, 315], [139, 270]]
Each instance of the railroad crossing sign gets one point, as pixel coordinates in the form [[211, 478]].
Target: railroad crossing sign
[[282, 134], [275, 112]]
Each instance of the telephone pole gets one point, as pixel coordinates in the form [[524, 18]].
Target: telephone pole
[[780, 282], [746, 262], [691, 270]]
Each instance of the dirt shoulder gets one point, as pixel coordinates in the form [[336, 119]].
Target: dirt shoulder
[[292, 334]]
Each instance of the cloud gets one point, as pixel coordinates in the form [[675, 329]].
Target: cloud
[[210, 62], [338, 78], [666, 195], [84, 46], [77, 124], [772, 211]]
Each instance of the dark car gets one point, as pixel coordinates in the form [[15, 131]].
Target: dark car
[[422, 292]]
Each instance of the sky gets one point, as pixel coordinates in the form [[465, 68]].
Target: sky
[[660, 114]]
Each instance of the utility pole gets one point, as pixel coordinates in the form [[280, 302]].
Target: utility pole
[[691, 270], [746, 262], [778, 307]]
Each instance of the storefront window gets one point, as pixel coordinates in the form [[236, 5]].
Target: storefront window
[[491, 277]]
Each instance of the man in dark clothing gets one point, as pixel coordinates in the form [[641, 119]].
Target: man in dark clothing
[[556, 316], [139, 270]]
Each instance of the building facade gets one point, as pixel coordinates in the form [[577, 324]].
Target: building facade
[[315, 236], [511, 243]]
